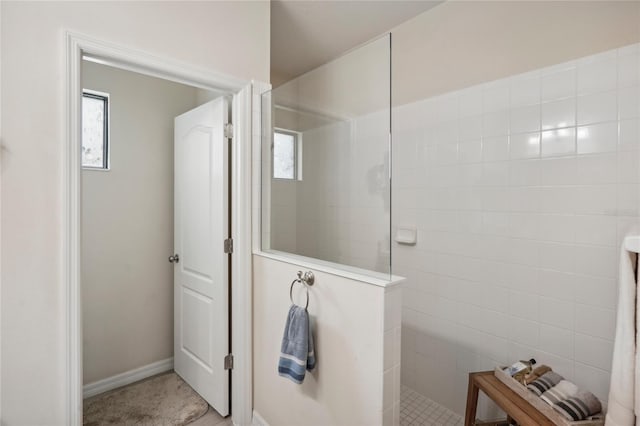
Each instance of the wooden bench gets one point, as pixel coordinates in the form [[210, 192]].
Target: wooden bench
[[516, 407]]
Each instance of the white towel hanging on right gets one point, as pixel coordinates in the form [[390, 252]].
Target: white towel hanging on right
[[624, 390]]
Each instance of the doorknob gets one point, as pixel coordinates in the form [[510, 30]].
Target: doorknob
[[174, 259]]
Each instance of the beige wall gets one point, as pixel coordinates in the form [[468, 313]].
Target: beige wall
[[462, 43], [352, 85], [127, 225], [226, 36], [458, 44]]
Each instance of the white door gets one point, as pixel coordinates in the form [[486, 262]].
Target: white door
[[201, 275]]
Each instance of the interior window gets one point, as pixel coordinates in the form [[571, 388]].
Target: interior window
[[285, 154], [95, 130]]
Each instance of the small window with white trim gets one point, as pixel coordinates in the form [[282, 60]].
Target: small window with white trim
[[287, 151], [95, 130]]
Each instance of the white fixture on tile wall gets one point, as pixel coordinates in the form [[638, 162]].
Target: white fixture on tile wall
[[406, 235], [632, 243], [522, 190]]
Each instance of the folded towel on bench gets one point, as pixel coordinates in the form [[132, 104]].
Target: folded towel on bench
[[579, 407], [563, 390], [544, 382]]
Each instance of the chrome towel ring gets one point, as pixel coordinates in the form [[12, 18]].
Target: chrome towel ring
[[307, 279]]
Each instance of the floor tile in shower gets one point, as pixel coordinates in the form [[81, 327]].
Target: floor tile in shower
[[418, 410]]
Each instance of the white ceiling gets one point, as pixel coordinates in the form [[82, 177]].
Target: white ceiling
[[308, 33]]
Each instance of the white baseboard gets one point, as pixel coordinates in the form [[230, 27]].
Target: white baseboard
[[258, 420], [127, 377]]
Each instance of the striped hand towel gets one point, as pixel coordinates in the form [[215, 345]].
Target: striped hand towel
[[579, 407], [544, 382], [563, 390], [297, 352]]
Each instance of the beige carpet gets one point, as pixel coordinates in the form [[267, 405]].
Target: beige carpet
[[164, 400]]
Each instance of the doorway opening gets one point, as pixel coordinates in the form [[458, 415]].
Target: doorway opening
[[231, 95], [135, 325]]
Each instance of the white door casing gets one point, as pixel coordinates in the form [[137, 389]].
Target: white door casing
[[142, 62], [201, 276]]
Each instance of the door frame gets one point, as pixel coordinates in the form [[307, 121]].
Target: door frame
[[129, 59]]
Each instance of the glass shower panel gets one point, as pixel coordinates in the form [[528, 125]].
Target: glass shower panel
[[325, 162]]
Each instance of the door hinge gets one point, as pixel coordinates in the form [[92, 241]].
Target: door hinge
[[228, 245], [228, 131], [228, 362]]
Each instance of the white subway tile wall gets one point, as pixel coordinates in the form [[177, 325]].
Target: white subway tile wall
[[521, 190]]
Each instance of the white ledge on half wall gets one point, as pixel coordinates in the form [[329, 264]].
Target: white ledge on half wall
[[379, 279], [632, 243]]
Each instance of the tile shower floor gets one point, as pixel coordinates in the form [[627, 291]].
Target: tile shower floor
[[418, 410]]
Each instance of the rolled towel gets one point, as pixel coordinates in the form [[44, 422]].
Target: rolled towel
[[563, 390], [544, 382], [536, 373], [579, 407]]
